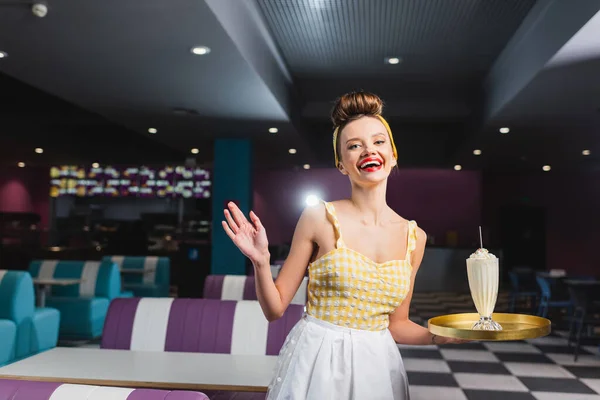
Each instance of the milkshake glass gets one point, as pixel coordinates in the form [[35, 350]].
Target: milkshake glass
[[483, 274]]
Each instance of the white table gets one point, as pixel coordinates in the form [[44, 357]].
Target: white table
[[45, 284], [146, 369]]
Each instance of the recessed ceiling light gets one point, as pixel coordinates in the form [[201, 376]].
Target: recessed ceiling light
[[21, 164], [393, 60], [586, 152], [457, 167], [273, 130], [3, 54], [546, 168], [152, 130], [95, 165], [477, 152], [200, 50], [504, 130], [306, 166], [39, 150], [195, 151], [292, 151]]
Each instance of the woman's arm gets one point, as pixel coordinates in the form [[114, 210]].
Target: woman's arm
[[273, 296], [403, 330]]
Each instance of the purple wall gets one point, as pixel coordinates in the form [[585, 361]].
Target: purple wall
[[442, 200], [571, 202], [25, 190], [439, 200]]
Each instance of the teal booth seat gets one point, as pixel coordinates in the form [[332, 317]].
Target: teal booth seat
[[82, 306], [8, 333], [154, 277], [36, 329]]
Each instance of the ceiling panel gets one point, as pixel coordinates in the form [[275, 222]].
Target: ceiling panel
[[129, 65], [68, 134], [112, 69], [435, 38]]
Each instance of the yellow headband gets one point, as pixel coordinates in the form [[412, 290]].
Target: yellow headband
[[387, 127]]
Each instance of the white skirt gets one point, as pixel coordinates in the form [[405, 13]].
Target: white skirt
[[323, 361]]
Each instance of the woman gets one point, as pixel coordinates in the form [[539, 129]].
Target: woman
[[362, 259]]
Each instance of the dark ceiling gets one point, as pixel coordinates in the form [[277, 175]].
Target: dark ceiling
[[88, 80]]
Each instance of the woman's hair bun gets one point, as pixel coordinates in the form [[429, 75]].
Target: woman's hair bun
[[354, 105]]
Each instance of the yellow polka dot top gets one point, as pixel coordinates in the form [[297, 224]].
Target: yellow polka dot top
[[349, 289]]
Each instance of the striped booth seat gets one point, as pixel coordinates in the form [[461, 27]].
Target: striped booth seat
[[35, 390], [242, 287], [35, 329], [83, 306], [197, 325], [155, 279]]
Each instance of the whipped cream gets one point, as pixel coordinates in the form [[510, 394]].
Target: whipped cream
[[483, 254]]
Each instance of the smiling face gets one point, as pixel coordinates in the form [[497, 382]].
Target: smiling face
[[365, 151]]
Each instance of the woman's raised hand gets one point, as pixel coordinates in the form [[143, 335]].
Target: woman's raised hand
[[249, 237]]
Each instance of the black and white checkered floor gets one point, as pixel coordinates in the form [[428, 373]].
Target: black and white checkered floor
[[542, 369]]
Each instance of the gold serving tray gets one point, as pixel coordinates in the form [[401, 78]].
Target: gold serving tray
[[514, 327]]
